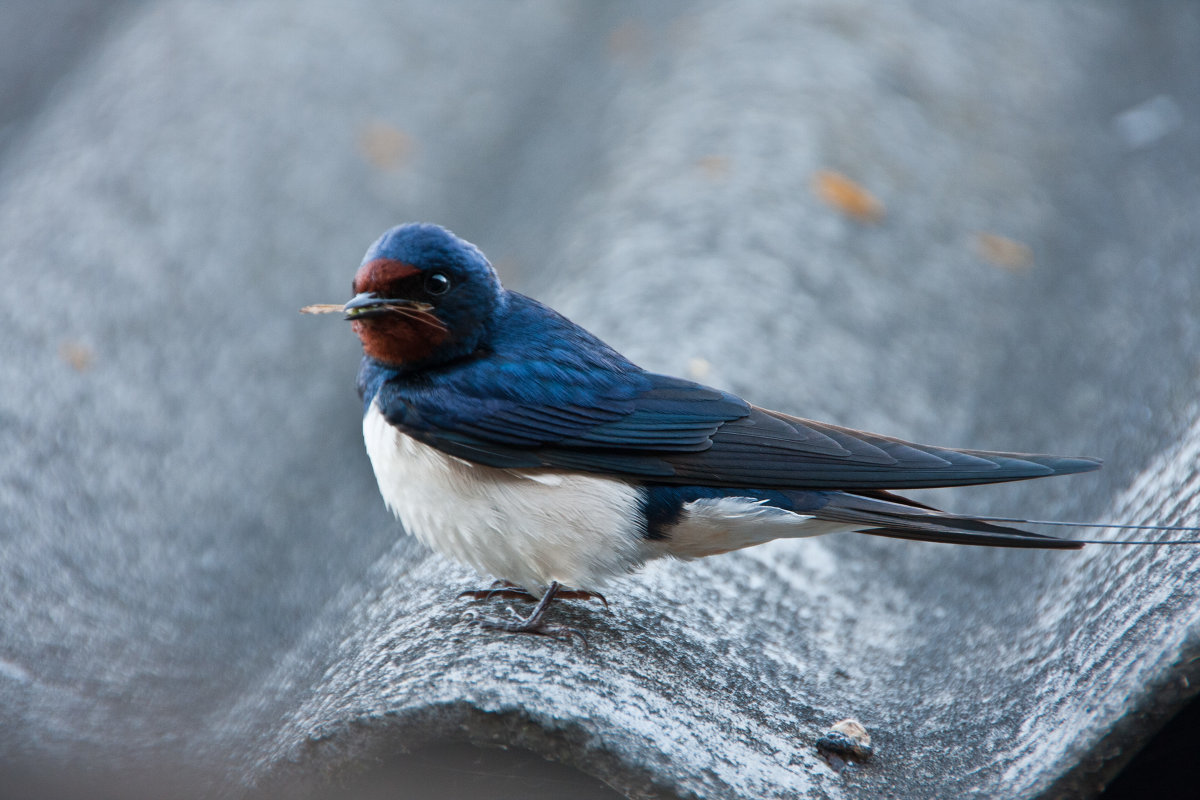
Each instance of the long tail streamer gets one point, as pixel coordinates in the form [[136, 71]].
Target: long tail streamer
[[1112, 525]]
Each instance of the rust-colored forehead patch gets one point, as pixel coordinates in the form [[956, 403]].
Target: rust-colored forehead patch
[[377, 273]]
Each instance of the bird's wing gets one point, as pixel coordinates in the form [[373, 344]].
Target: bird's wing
[[767, 448], [654, 427]]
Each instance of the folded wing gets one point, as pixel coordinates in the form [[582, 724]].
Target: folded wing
[[644, 426]]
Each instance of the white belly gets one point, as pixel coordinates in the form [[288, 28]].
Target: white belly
[[718, 525], [530, 527]]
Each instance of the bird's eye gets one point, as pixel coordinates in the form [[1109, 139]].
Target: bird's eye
[[437, 283]]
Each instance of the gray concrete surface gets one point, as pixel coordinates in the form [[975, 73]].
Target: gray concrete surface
[[41, 42], [202, 592]]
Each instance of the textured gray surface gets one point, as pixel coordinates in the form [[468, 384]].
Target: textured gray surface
[[195, 568]]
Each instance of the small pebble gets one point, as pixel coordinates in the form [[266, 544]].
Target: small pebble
[[844, 743]]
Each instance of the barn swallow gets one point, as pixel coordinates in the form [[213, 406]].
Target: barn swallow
[[508, 438]]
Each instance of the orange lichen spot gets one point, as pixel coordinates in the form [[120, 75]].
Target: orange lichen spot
[[1000, 251], [713, 166], [846, 196], [628, 41], [77, 354], [385, 146]]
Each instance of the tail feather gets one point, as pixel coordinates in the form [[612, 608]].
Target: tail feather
[[882, 514], [1003, 537]]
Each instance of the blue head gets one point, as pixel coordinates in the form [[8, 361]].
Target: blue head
[[423, 297]]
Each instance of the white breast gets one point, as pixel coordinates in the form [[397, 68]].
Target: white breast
[[530, 527]]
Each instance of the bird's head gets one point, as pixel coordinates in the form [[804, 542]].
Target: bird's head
[[423, 297]]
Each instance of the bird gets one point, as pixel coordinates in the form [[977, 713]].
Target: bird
[[509, 439]]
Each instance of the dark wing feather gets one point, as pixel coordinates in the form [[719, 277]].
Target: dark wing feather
[[645, 426], [767, 448], [626, 426]]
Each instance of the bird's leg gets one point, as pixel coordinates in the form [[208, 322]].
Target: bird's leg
[[536, 623]]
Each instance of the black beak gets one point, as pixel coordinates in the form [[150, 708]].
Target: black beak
[[369, 304]]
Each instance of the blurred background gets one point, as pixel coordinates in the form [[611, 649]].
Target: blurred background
[[959, 222]]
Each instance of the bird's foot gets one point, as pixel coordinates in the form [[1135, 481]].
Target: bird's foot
[[505, 589], [511, 591], [535, 623]]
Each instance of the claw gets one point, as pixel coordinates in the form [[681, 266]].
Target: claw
[[536, 627], [535, 623], [582, 594], [509, 591], [488, 594]]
